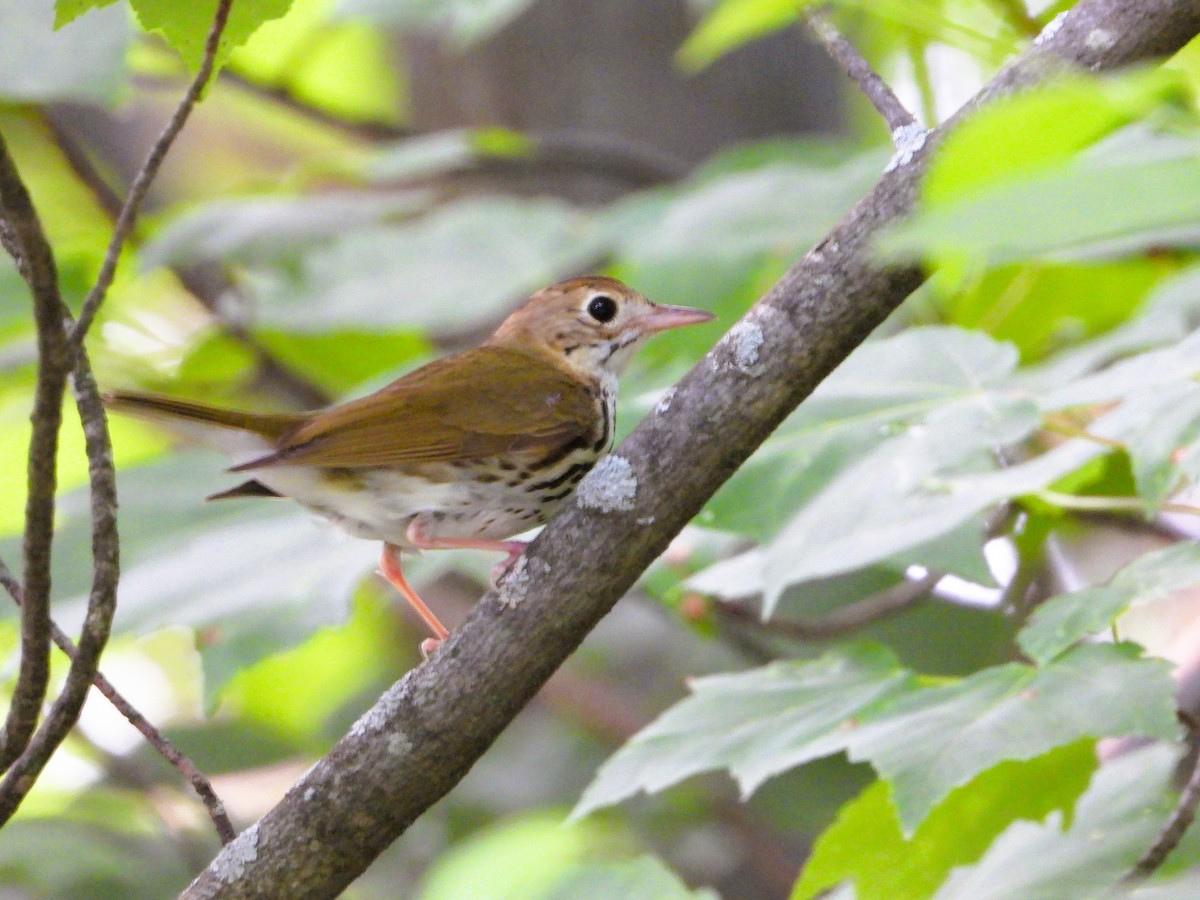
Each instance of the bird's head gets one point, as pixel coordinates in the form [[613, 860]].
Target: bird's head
[[590, 325]]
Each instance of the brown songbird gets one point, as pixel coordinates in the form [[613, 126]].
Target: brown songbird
[[464, 452]]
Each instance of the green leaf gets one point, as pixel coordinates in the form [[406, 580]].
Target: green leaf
[[464, 21], [1015, 136], [882, 389], [906, 492], [1115, 821], [734, 23], [756, 724], [1041, 305], [516, 859], [82, 60], [460, 265], [929, 742], [925, 741], [1154, 369], [1091, 216], [255, 576], [185, 26], [1162, 449], [345, 68], [66, 11], [1061, 621], [644, 878], [444, 151], [341, 361], [295, 693], [866, 846], [260, 229]]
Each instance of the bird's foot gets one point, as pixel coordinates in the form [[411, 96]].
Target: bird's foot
[[429, 645], [502, 568]]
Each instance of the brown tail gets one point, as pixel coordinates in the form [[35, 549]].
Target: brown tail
[[272, 426]]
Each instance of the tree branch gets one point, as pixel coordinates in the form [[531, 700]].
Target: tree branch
[[60, 350], [25, 240], [426, 732], [158, 740], [145, 177], [846, 55], [845, 620], [1173, 831]]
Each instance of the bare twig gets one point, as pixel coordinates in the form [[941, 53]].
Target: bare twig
[[427, 731], [1173, 831], [34, 259], [145, 176], [848, 619], [202, 786], [853, 64]]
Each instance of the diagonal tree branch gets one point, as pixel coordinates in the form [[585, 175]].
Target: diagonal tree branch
[[426, 732]]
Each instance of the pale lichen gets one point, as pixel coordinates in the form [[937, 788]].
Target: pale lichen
[[230, 864], [907, 139], [740, 349], [664, 402], [610, 487], [1051, 28]]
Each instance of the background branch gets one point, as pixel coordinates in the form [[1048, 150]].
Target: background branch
[[846, 55], [425, 733], [158, 740], [146, 175], [23, 755], [848, 618], [27, 243]]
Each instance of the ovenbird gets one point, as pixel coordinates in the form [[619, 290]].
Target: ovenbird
[[464, 452]]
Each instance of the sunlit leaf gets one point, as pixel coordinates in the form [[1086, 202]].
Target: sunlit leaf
[[1037, 129], [1061, 621], [1078, 209], [185, 26], [865, 844], [1115, 821], [929, 742]]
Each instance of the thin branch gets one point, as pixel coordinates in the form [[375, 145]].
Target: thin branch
[[882, 97], [427, 731], [1173, 831], [145, 176], [53, 319], [27, 242], [172, 754], [847, 619]]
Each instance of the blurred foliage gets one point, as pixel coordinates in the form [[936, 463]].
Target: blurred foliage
[[307, 240]]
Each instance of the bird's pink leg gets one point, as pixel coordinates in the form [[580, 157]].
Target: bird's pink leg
[[422, 541], [389, 568]]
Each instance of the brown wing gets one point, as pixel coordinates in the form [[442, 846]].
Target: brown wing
[[479, 403]]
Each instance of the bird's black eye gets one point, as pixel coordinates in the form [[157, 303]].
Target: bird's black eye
[[602, 308]]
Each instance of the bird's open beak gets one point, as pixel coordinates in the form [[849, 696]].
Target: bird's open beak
[[663, 317]]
